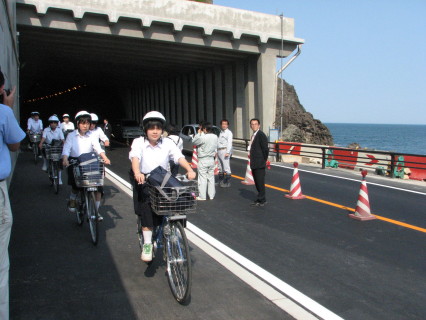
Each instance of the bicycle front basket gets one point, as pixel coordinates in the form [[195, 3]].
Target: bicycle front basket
[[174, 200], [89, 175], [53, 152]]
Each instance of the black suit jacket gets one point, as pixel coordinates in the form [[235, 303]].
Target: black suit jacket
[[259, 151], [107, 129]]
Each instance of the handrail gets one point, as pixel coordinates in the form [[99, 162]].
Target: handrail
[[345, 160]]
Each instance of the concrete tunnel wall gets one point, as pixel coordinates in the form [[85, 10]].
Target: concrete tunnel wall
[[237, 80], [9, 61], [231, 91]]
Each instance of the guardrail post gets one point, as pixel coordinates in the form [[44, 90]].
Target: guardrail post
[[323, 158], [392, 166]]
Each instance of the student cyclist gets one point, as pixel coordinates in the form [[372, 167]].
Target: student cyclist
[[52, 132], [78, 142], [34, 125], [97, 132], [67, 126], [148, 153]]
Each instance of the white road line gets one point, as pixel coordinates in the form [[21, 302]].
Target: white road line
[[277, 291], [343, 178]]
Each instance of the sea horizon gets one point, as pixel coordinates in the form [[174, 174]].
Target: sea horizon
[[368, 123], [400, 138]]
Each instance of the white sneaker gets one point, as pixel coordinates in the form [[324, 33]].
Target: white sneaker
[[60, 182], [44, 168], [200, 199], [146, 254], [40, 157]]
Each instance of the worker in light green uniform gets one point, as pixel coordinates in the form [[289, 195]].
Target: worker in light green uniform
[[206, 141]]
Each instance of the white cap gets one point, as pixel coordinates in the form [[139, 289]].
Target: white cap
[[66, 115], [80, 114], [154, 115], [53, 118], [94, 117]]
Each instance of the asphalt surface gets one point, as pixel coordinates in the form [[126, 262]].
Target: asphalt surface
[[57, 273], [358, 270]]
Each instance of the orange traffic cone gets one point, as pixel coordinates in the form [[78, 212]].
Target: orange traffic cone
[[362, 211], [194, 163], [216, 166], [248, 180], [295, 188]]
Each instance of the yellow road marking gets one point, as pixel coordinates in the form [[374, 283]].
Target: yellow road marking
[[399, 223]]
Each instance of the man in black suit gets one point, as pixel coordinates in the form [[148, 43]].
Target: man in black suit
[[258, 151], [107, 130]]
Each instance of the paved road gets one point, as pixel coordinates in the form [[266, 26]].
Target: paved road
[[56, 272], [359, 270]]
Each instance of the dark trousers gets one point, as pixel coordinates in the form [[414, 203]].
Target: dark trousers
[[142, 204], [259, 181]]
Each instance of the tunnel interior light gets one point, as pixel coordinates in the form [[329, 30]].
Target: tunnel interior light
[[53, 95]]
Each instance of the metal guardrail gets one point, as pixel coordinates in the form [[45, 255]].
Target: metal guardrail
[[392, 160]]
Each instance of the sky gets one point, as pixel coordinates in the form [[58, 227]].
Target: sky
[[363, 61]]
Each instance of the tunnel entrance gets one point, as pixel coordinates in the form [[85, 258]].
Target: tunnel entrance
[[65, 72], [188, 60]]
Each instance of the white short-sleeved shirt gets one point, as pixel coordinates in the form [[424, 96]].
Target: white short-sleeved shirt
[[177, 140], [35, 126], [67, 126], [151, 157], [99, 134], [49, 134], [76, 144]]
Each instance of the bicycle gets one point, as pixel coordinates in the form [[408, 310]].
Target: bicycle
[[66, 132], [35, 138], [53, 154], [88, 178], [173, 204]]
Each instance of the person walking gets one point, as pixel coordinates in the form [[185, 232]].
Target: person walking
[[206, 142], [258, 153], [107, 131], [224, 151], [11, 136], [173, 132]]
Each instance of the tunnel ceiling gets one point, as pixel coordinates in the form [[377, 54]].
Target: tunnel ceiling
[[55, 58]]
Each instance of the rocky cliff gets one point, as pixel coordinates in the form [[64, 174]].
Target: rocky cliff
[[299, 125]]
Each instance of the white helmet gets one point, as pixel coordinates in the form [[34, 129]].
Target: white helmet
[[153, 115], [53, 118], [81, 114], [66, 115], [94, 117]]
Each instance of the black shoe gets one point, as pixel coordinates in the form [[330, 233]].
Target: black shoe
[[255, 204]]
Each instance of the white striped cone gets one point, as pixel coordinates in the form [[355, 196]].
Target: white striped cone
[[248, 180], [216, 166], [362, 210], [296, 187], [194, 163]]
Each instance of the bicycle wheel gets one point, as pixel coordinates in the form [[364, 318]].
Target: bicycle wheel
[[81, 206], [179, 269], [55, 176], [35, 151], [92, 216]]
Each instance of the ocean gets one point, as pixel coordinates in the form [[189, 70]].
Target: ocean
[[403, 138]]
